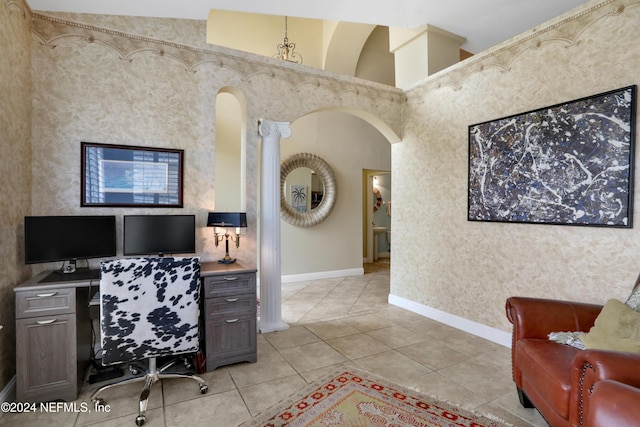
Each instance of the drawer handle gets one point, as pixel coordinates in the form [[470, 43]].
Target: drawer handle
[[232, 299], [50, 294], [45, 322], [230, 278], [231, 320]]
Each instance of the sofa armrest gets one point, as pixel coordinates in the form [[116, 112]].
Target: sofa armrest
[[613, 404], [591, 366], [537, 317]]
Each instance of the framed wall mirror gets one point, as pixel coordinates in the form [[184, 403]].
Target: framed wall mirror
[[307, 189]]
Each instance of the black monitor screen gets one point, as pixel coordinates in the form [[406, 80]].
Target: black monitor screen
[[65, 238], [159, 234]]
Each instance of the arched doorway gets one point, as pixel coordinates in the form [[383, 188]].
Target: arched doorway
[[350, 142]]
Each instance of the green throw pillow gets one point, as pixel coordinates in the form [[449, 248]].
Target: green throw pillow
[[617, 327]]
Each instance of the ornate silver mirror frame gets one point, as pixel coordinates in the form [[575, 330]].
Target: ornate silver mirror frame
[[324, 172]]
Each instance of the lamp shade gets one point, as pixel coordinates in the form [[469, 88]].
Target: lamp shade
[[227, 219]]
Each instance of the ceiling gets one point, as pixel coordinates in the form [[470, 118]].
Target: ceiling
[[484, 23]]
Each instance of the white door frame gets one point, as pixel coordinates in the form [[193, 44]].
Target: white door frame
[[369, 210], [369, 217]]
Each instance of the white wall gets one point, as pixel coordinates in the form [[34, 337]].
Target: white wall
[[260, 34], [348, 144], [376, 63]]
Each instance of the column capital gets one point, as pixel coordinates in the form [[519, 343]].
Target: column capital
[[268, 128]]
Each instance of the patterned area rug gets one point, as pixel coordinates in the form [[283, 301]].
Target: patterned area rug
[[355, 398]]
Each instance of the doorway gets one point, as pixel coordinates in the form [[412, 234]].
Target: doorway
[[377, 215]]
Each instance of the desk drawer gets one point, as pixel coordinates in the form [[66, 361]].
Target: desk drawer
[[47, 365], [45, 302], [229, 284], [221, 309], [231, 341]]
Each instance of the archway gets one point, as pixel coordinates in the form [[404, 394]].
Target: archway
[[350, 141], [230, 151]]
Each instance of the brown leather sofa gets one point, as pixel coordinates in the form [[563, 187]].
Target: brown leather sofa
[[614, 404], [558, 379]]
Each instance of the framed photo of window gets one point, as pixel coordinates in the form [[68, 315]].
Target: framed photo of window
[[122, 175]]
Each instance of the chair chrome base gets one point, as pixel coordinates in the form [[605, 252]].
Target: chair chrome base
[[151, 376]]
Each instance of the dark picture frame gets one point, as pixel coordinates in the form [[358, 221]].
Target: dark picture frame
[[567, 164], [128, 176]]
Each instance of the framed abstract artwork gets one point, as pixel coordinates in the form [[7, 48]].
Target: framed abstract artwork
[[567, 164], [122, 175]]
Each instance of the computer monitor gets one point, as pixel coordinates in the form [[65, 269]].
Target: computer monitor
[[68, 238], [159, 234]]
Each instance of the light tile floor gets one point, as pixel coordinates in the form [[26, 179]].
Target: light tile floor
[[332, 322]]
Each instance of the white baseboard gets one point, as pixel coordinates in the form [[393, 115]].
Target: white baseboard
[[8, 393], [475, 328], [322, 275]]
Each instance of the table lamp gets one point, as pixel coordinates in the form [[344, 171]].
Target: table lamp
[[222, 221]]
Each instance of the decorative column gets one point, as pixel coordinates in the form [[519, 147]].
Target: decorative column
[[270, 275]]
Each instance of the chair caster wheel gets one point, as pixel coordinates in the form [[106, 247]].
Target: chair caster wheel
[[204, 389], [140, 419]]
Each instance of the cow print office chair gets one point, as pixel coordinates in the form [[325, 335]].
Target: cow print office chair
[[149, 308]]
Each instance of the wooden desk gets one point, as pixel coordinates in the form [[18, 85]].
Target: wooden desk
[[53, 337], [53, 327], [230, 304]]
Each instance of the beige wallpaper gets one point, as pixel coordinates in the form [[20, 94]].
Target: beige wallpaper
[[15, 166], [152, 82], [102, 84], [469, 268], [136, 81]]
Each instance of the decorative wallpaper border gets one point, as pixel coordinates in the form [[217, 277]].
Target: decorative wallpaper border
[[334, 91], [51, 30], [18, 6], [563, 29]]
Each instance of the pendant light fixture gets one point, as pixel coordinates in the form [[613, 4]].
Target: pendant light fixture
[[286, 49]]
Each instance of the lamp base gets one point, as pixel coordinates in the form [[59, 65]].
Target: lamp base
[[227, 260]]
